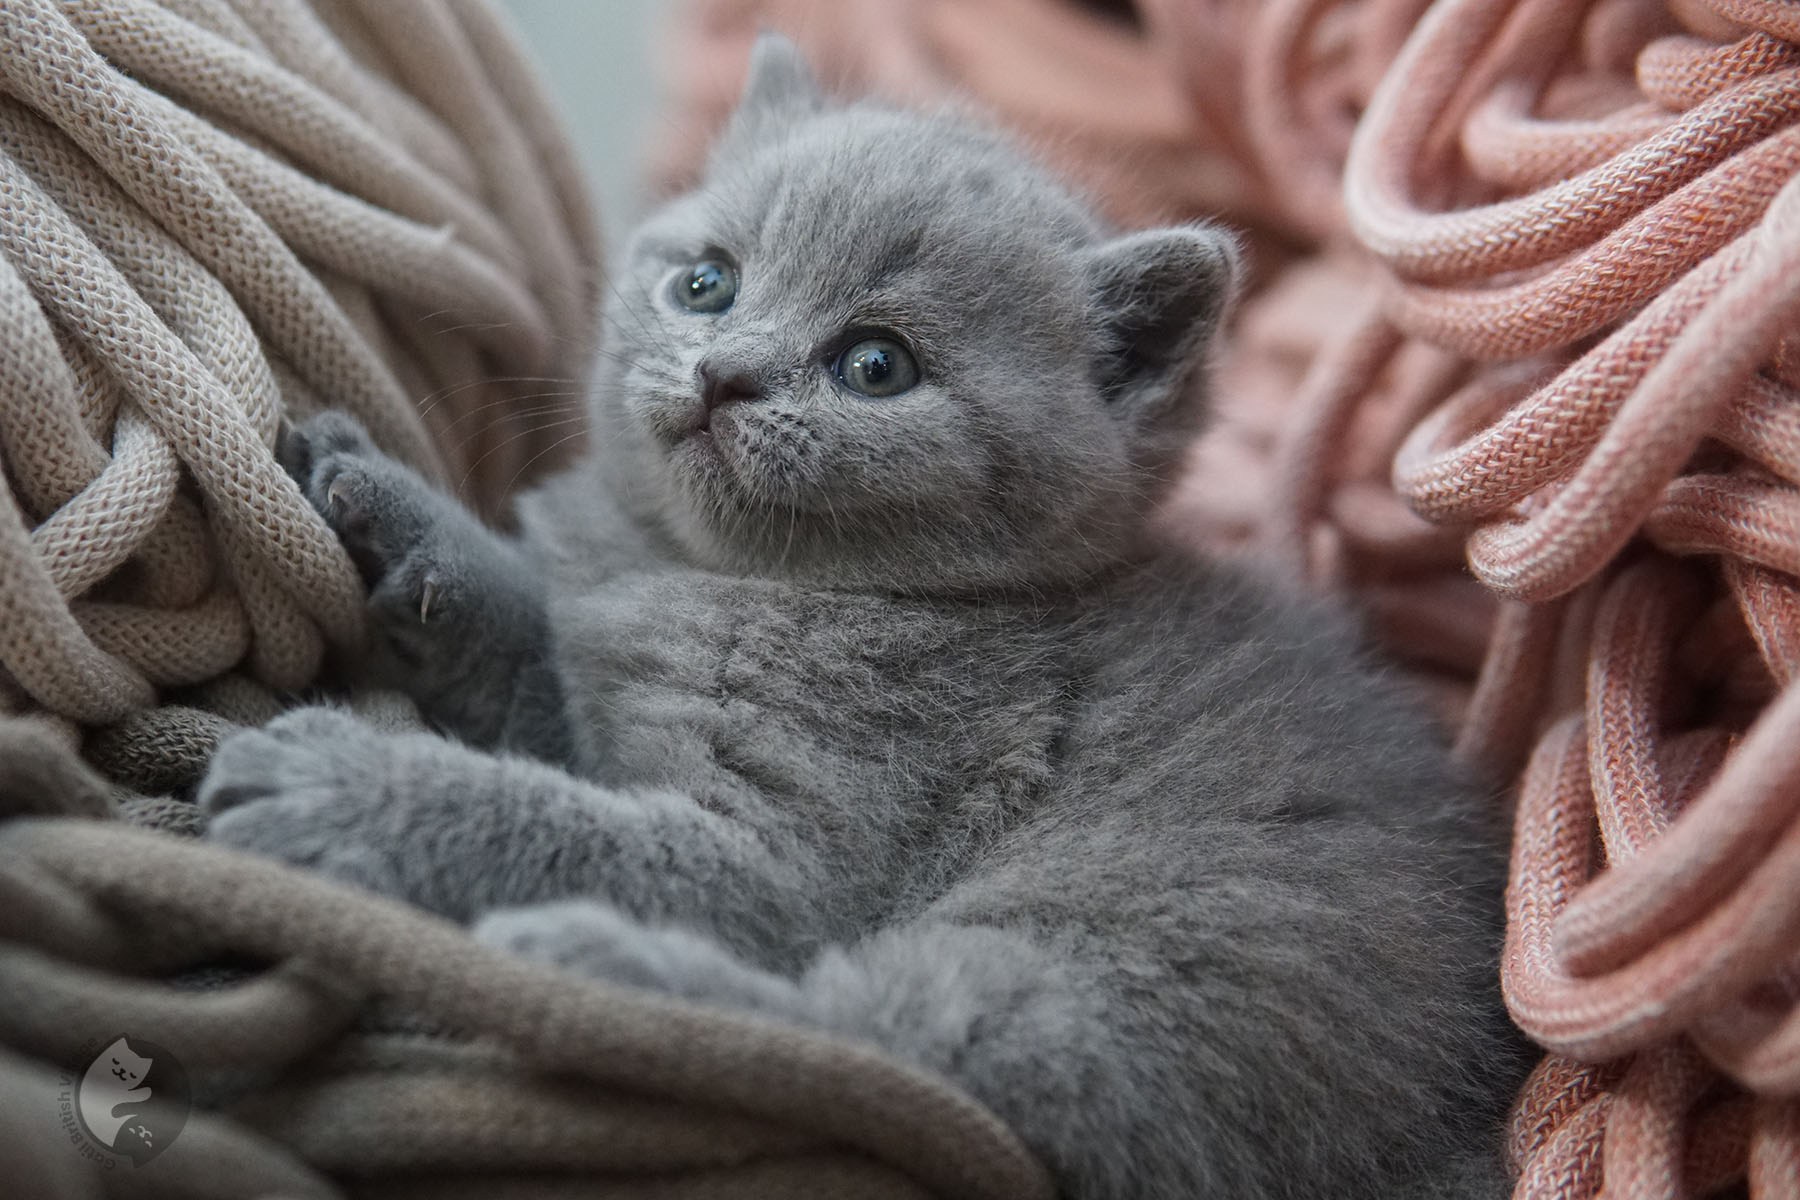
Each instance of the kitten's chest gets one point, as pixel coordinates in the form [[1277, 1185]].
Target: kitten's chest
[[674, 676]]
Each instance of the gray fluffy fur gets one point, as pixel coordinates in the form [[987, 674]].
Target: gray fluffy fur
[[889, 717]]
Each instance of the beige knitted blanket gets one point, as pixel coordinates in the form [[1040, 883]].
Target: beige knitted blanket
[[214, 213], [383, 1051]]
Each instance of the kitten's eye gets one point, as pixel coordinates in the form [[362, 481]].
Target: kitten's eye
[[709, 287], [877, 367]]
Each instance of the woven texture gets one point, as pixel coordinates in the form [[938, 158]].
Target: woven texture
[[1517, 375], [550, 1085], [212, 215]]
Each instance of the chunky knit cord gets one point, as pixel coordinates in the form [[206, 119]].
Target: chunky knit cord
[[1668, 258], [213, 215]]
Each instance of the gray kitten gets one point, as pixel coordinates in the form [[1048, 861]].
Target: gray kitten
[[846, 683]]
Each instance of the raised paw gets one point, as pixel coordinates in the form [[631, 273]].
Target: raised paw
[[458, 613], [600, 942], [311, 789], [439, 581], [390, 520]]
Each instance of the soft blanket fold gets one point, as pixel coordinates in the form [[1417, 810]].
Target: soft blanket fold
[[550, 1083]]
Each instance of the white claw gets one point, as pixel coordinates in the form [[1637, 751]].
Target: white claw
[[425, 595]]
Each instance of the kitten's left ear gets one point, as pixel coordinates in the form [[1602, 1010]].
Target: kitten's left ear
[[778, 90], [1160, 295]]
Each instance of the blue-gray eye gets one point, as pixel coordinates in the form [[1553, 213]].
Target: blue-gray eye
[[877, 366], [709, 287]]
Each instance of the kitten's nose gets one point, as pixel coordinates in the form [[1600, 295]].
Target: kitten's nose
[[724, 383]]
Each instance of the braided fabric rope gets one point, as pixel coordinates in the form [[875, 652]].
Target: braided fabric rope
[[1516, 374], [212, 214], [552, 1085], [1635, 504]]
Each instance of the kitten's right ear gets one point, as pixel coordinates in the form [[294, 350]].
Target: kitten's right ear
[[778, 91]]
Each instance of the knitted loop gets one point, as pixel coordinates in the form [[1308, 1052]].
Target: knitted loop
[[1686, 215], [210, 215]]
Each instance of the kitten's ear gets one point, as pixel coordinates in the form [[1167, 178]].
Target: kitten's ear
[[1160, 295], [779, 90]]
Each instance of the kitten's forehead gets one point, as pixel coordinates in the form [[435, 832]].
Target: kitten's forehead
[[861, 194]]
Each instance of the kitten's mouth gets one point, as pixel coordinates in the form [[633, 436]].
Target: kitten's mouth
[[704, 444], [700, 440], [693, 439]]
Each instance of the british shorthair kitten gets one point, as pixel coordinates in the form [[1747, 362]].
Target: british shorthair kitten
[[846, 682]]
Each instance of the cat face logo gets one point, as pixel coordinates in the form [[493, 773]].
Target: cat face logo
[[133, 1099]]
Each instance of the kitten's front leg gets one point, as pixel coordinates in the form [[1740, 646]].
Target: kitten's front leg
[[461, 832], [459, 614]]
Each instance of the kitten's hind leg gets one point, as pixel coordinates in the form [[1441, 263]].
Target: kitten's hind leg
[[458, 613], [1086, 1066], [1016, 1025], [1082, 1060]]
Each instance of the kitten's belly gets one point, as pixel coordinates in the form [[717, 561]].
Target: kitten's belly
[[708, 683]]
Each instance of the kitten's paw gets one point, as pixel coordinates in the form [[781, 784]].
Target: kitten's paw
[[286, 755], [458, 613], [444, 590], [326, 433], [307, 789], [600, 942], [391, 521]]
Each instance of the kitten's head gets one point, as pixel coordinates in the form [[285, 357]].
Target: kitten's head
[[882, 348]]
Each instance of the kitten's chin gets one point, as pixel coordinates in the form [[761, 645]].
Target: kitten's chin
[[700, 450], [701, 470]]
